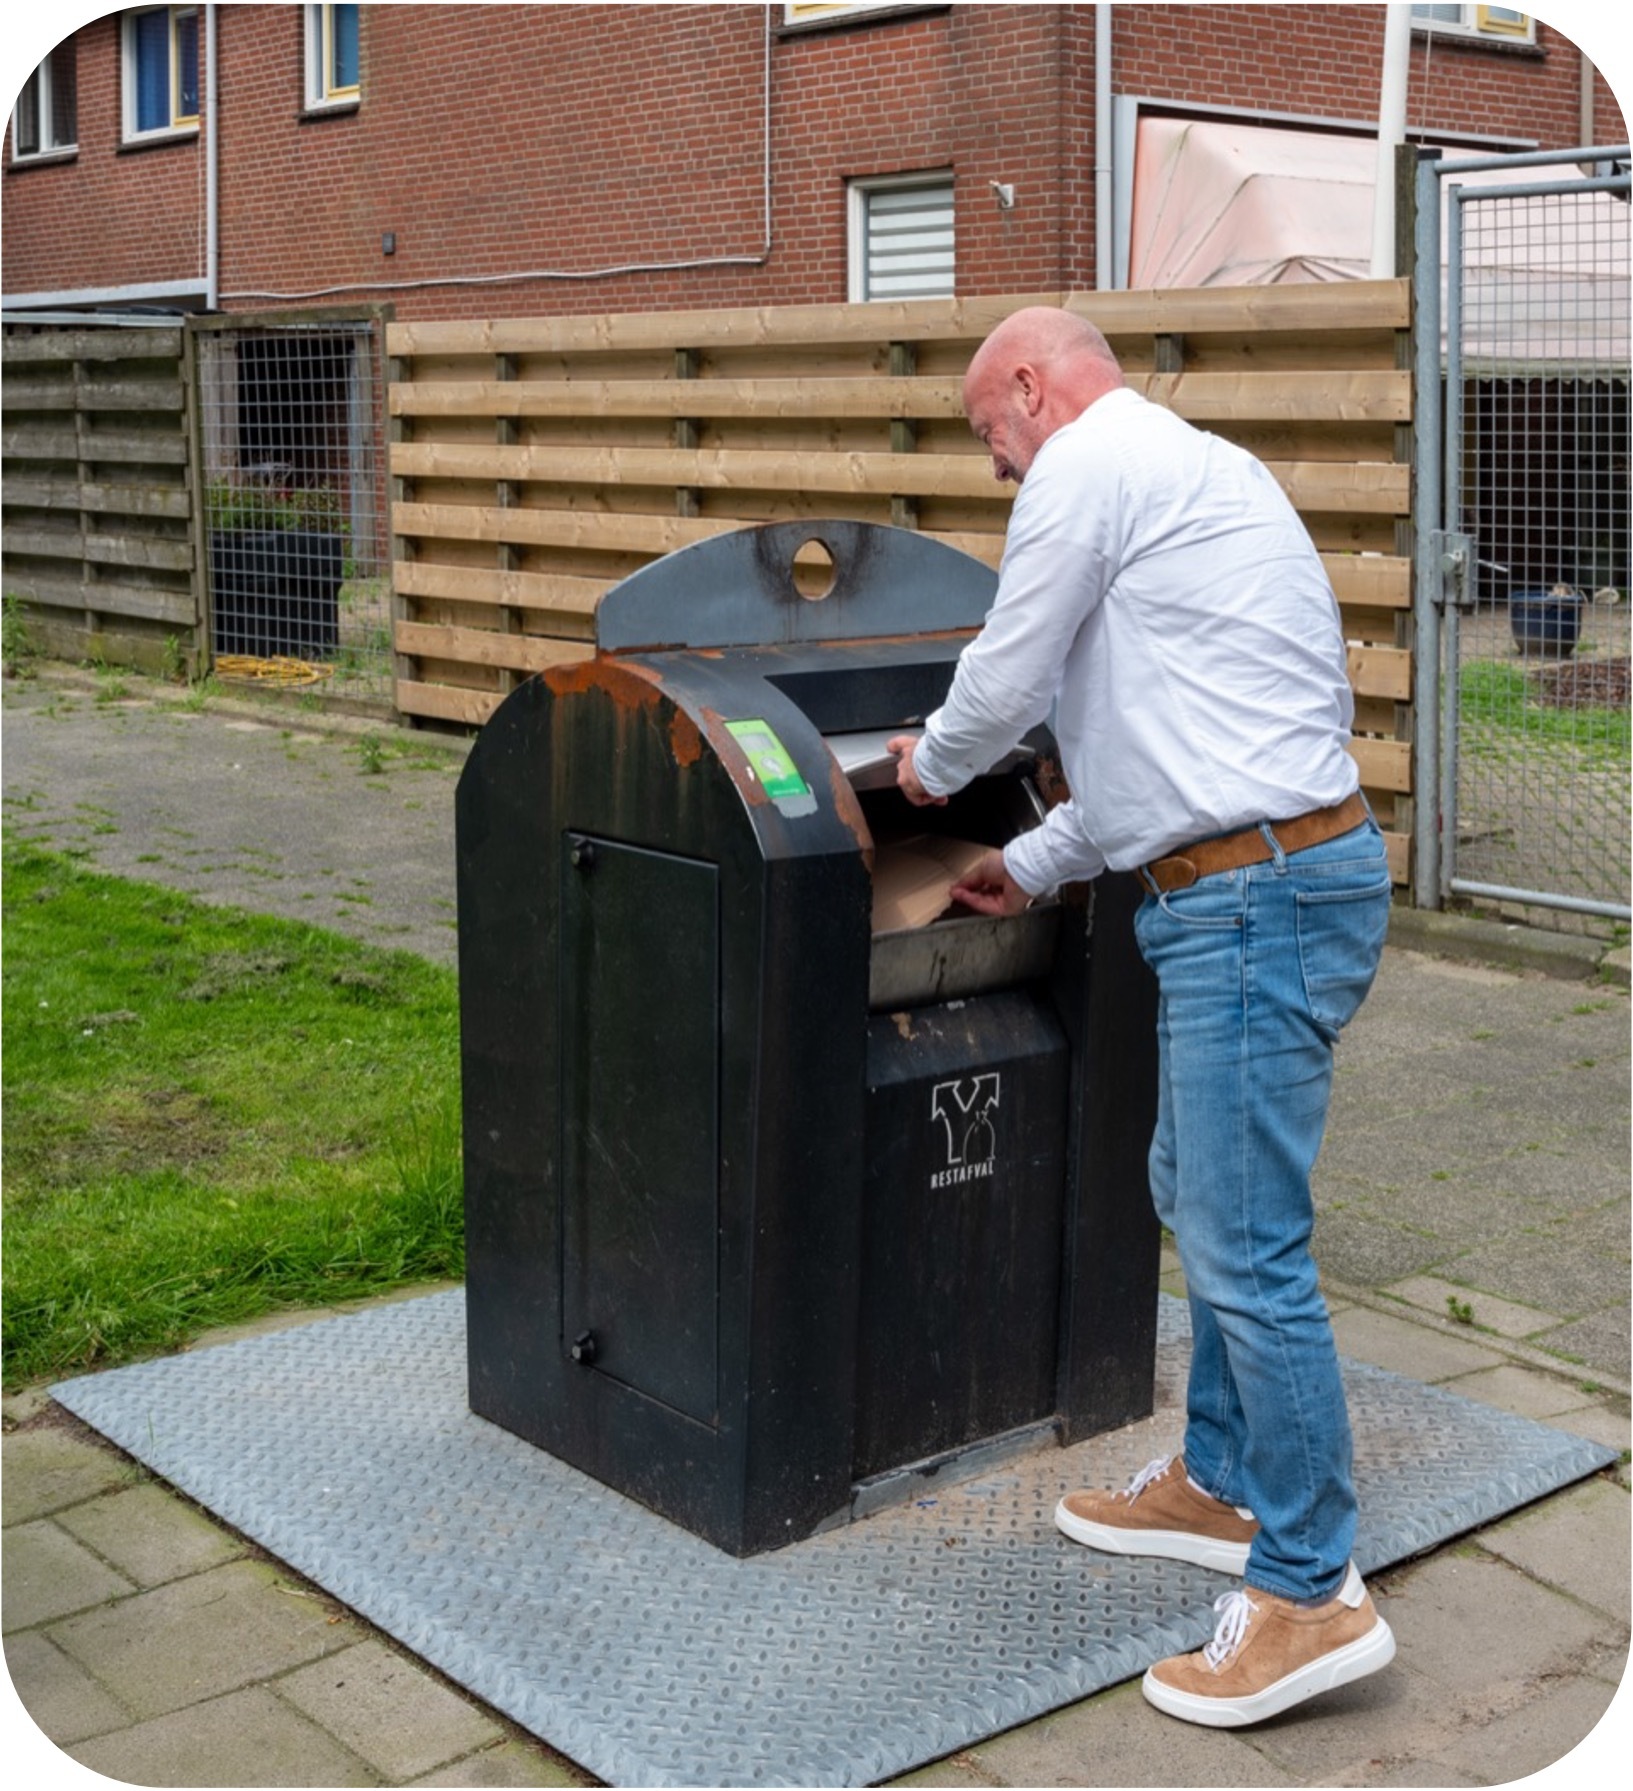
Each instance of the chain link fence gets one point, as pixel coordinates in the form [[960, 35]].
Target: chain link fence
[[292, 422], [1537, 478]]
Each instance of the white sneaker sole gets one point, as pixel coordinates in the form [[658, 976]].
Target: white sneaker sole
[[1355, 1660], [1172, 1545]]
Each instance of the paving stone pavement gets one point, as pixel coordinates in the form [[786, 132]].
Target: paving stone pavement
[[1473, 1224]]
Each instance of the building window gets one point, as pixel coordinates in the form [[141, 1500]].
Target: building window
[[44, 121], [333, 64], [161, 71], [901, 237], [1499, 22]]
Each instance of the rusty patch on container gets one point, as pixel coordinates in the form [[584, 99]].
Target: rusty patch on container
[[629, 686], [849, 810], [685, 739], [1051, 780], [918, 640]]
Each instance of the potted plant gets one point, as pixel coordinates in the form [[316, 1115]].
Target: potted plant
[[277, 555], [1546, 623]]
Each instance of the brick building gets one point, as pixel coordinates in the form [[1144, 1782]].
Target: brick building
[[466, 161]]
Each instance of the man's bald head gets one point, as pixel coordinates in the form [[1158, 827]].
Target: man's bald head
[[1069, 347], [1040, 369]]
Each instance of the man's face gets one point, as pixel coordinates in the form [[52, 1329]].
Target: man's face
[[1003, 404]]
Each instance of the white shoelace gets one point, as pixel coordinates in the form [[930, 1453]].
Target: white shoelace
[[1153, 1470], [1234, 1609]]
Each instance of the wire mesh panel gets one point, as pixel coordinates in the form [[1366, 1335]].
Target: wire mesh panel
[[1538, 421], [292, 419]]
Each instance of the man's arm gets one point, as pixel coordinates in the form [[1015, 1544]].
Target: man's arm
[[1059, 558]]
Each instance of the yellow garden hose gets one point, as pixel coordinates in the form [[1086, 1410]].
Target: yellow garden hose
[[282, 672]]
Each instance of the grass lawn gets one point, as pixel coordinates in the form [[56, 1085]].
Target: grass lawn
[[1503, 716], [209, 1115]]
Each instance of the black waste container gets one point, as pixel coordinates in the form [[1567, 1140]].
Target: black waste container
[[776, 1208]]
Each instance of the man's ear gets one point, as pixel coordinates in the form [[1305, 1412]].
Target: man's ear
[[1030, 387]]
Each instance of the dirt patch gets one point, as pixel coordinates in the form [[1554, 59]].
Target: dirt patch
[[229, 973], [120, 1131], [1584, 684]]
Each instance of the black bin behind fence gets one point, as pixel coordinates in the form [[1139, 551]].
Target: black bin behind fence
[[276, 591], [772, 1215]]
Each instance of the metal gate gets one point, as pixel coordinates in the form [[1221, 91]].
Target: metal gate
[[292, 421], [1522, 574]]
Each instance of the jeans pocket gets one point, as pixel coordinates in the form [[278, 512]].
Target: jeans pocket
[[1210, 903], [1341, 935]]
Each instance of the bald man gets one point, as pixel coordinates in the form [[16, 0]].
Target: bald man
[[1160, 596]]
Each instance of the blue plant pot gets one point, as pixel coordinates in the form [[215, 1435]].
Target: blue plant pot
[[1543, 624]]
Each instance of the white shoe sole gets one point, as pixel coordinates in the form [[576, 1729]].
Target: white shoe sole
[[1353, 1661], [1172, 1545]]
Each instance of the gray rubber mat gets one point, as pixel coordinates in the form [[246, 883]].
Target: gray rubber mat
[[346, 1448]]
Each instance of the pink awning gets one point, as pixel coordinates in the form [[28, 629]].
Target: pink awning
[[1248, 205], [1229, 204]]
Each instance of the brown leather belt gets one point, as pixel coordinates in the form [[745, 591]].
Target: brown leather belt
[[1233, 850]]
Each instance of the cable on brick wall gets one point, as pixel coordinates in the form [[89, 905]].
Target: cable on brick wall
[[590, 273]]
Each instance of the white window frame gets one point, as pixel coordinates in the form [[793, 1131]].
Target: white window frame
[[321, 92], [179, 123], [1486, 24], [857, 194], [41, 85]]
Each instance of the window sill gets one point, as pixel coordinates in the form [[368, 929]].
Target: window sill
[[1472, 40], [158, 139], [315, 111], [45, 158], [850, 21]]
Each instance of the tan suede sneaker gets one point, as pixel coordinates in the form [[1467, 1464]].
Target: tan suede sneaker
[[1269, 1654], [1161, 1513]]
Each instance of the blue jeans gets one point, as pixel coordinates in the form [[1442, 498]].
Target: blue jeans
[[1257, 970]]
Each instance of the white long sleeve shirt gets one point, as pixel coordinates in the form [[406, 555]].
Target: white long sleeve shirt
[[1159, 592]]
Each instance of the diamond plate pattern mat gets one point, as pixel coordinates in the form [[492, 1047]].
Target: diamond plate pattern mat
[[346, 1448]]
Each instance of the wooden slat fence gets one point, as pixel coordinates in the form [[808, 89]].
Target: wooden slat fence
[[537, 461], [100, 537]]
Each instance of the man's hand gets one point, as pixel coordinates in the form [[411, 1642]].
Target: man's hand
[[989, 888], [907, 779]]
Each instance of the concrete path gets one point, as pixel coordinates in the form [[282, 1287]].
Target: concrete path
[[1473, 1229], [270, 808]]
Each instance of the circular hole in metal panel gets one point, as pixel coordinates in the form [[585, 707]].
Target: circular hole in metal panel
[[814, 569]]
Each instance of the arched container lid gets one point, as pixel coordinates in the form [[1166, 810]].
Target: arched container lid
[[739, 590]]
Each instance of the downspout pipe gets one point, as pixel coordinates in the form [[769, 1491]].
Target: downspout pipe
[[1587, 125], [212, 168], [1585, 134], [1391, 131], [1104, 238]]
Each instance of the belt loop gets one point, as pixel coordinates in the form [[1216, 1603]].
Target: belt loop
[[1278, 856], [1147, 880]]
